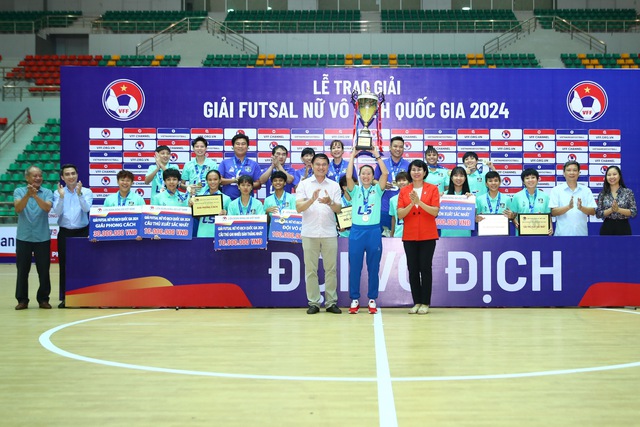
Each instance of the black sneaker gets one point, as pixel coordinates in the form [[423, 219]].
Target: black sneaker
[[61, 305], [333, 309], [313, 309]]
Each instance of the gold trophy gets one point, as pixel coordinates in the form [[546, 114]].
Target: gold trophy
[[366, 108]]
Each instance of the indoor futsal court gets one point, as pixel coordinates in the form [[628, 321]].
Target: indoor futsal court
[[282, 367]]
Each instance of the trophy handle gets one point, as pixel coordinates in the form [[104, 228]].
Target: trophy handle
[[354, 97]]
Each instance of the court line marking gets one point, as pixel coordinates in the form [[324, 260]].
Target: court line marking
[[45, 341], [386, 401]]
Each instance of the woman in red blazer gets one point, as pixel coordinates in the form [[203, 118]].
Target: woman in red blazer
[[418, 205]]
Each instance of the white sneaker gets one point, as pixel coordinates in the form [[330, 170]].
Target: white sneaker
[[354, 307], [414, 309], [373, 309], [424, 309]]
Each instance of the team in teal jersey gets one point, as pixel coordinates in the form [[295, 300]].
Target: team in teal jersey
[[397, 224], [171, 196], [155, 172], [280, 199], [365, 237], [476, 175], [346, 203], [438, 175], [459, 186], [195, 171], [246, 204], [492, 201], [124, 196], [207, 226], [530, 199]]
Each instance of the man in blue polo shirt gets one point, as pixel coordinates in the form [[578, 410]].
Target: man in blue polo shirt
[[395, 164], [239, 164], [32, 204]]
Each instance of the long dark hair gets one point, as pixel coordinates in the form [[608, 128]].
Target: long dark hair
[[606, 188], [465, 185]]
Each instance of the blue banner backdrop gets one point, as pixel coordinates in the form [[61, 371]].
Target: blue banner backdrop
[[467, 272], [115, 117]]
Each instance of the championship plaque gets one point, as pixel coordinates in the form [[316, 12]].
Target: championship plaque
[[367, 106], [344, 218], [207, 205], [493, 225], [534, 224]]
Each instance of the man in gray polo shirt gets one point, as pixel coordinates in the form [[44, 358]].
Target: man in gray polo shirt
[[32, 204]]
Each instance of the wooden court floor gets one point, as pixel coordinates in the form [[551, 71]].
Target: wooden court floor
[[282, 367]]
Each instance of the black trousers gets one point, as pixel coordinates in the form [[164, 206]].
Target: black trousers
[[419, 258], [615, 227], [42, 253], [63, 234]]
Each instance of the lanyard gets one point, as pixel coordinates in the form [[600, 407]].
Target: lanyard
[[491, 210], [280, 204], [240, 166], [241, 208], [121, 201], [178, 195], [336, 173], [394, 168], [201, 172], [160, 180], [365, 199], [532, 203]]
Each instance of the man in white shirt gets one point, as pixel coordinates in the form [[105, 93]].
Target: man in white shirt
[[319, 199], [571, 203], [71, 203]]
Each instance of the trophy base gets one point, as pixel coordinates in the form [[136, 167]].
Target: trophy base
[[364, 143]]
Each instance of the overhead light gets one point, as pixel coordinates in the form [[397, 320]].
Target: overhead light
[[269, 8], [230, 10], [466, 8]]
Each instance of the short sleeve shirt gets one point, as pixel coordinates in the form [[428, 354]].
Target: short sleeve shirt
[[193, 173], [318, 220], [176, 199], [233, 168], [487, 205], [366, 204], [157, 184], [287, 201], [438, 177], [393, 211], [523, 202], [254, 207], [394, 169], [132, 199], [573, 222], [33, 222], [207, 226], [476, 181]]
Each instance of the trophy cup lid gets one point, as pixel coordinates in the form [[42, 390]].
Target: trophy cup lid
[[367, 95]]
